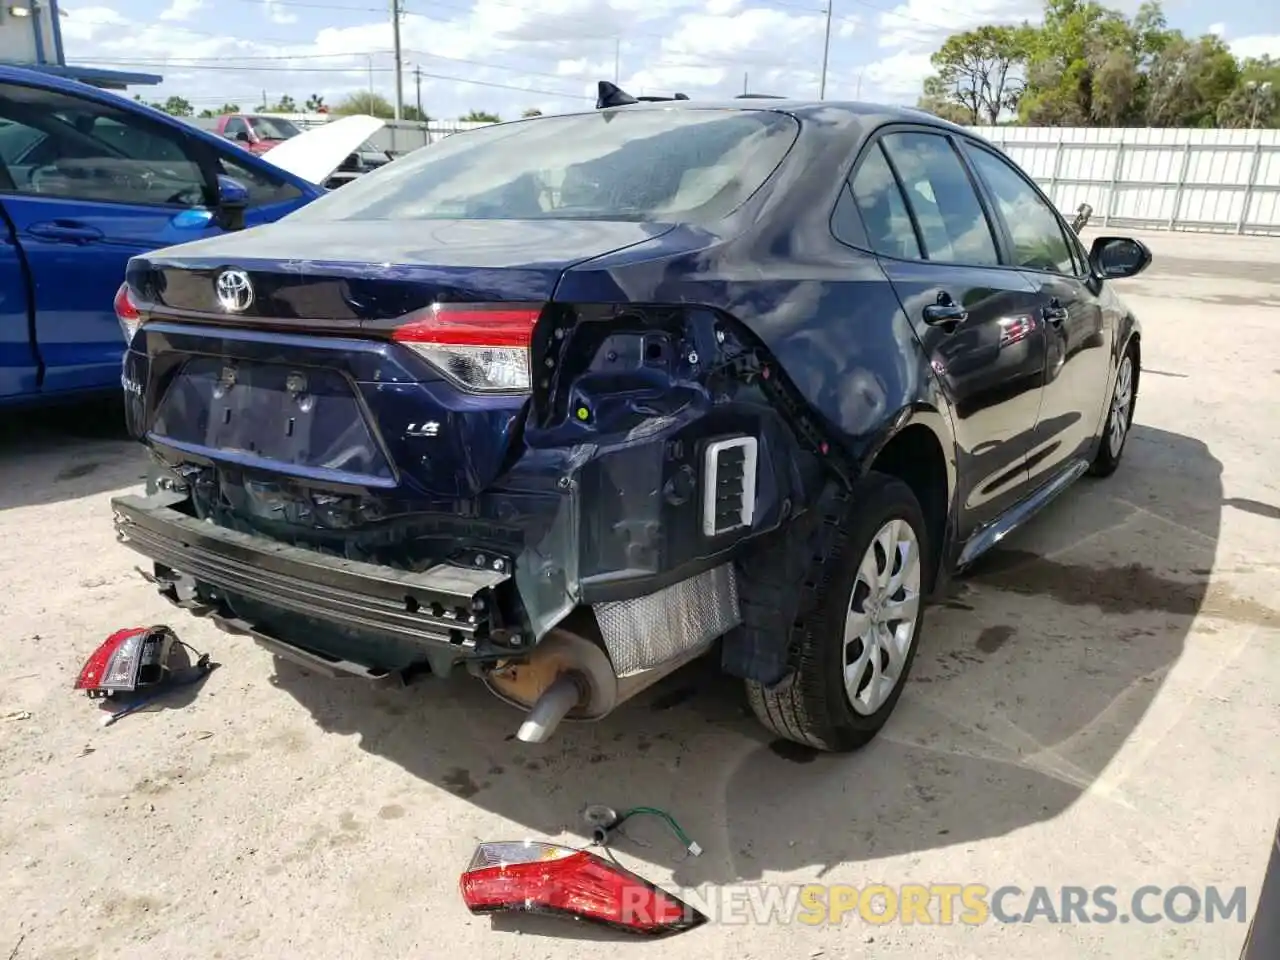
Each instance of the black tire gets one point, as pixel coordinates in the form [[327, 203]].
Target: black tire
[[811, 706], [1107, 459]]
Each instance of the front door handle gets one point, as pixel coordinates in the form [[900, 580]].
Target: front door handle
[[1055, 313], [945, 312], [65, 231]]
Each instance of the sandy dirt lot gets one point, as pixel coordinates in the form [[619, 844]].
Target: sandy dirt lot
[[1097, 705]]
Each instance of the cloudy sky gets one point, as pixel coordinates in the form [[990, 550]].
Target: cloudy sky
[[506, 55]]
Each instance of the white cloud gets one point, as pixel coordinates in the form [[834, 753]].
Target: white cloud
[[897, 79], [181, 9], [551, 51], [1256, 46], [278, 14], [1218, 29], [84, 23], [918, 24]]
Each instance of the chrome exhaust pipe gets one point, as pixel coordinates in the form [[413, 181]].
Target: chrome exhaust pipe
[[565, 693], [567, 675]]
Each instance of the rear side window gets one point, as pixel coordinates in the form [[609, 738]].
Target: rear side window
[[1038, 239], [883, 211], [946, 207], [682, 164]]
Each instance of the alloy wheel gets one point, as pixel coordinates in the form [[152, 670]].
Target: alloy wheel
[[881, 623], [1120, 404]]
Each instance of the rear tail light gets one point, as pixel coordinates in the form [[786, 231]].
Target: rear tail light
[[127, 313], [480, 347], [535, 877], [128, 659]]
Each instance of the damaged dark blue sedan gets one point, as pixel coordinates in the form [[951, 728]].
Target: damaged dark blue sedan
[[570, 401]]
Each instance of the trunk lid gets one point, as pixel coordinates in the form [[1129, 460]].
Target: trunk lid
[[328, 358], [363, 271], [315, 154]]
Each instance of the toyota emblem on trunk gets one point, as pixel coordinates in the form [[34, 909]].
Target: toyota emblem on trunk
[[235, 292]]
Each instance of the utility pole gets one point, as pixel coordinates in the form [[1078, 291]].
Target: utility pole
[[417, 78], [395, 34], [617, 60], [826, 51], [370, 56], [744, 83]]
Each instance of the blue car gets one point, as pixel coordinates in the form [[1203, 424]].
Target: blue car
[[570, 401], [89, 179]]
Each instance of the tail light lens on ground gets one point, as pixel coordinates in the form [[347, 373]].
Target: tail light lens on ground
[[533, 877]]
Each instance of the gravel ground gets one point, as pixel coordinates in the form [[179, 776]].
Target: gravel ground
[[1097, 705]]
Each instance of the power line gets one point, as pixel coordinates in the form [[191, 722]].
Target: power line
[[434, 76]]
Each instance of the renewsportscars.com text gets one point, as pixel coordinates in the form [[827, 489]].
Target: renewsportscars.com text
[[955, 903]]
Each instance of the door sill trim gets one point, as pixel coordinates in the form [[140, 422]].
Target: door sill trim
[[987, 537]]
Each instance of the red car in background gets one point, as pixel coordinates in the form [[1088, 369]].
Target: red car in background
[[255, 132]]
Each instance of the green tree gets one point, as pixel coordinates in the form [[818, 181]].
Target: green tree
[[223, 110], [367, 104], [480, 116], [1077, 40], [1188, 81], [174, 106], [980, 71], [178, 107], [286, 104], [411, 112], [941, 101], [532, 112], [1255, 101], [315, 103]]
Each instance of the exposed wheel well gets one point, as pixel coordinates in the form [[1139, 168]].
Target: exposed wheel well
[[915, 457]]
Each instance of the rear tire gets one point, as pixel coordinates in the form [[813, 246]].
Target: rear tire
[[1115, 433], [853, 653]]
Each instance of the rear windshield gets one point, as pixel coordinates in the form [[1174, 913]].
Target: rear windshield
[[651, 164]]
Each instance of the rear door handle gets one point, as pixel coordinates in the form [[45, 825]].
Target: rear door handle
[[65, 231], [945, 311], [1055, 312]]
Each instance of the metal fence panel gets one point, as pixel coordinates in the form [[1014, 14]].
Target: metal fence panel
[[1221, 181]]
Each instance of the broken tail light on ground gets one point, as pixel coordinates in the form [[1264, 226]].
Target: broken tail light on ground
[[127, 660], [546, 878]]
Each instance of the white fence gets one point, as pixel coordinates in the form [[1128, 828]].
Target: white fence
[[1218, 181]]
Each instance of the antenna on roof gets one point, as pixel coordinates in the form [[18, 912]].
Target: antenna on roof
[[611, 95]]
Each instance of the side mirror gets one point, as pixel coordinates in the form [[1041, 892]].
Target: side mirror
[[233, 200], [1118, 258]]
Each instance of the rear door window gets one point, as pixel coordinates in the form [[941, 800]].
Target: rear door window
[[942, 197], [884, 212]]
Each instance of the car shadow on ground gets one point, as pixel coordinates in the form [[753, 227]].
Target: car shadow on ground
[[1028, 682], [65, 453]]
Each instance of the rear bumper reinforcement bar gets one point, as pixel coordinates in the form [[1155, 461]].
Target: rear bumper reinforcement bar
[[446, 605]]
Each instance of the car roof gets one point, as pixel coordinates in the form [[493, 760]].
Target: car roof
[[842, 112]]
